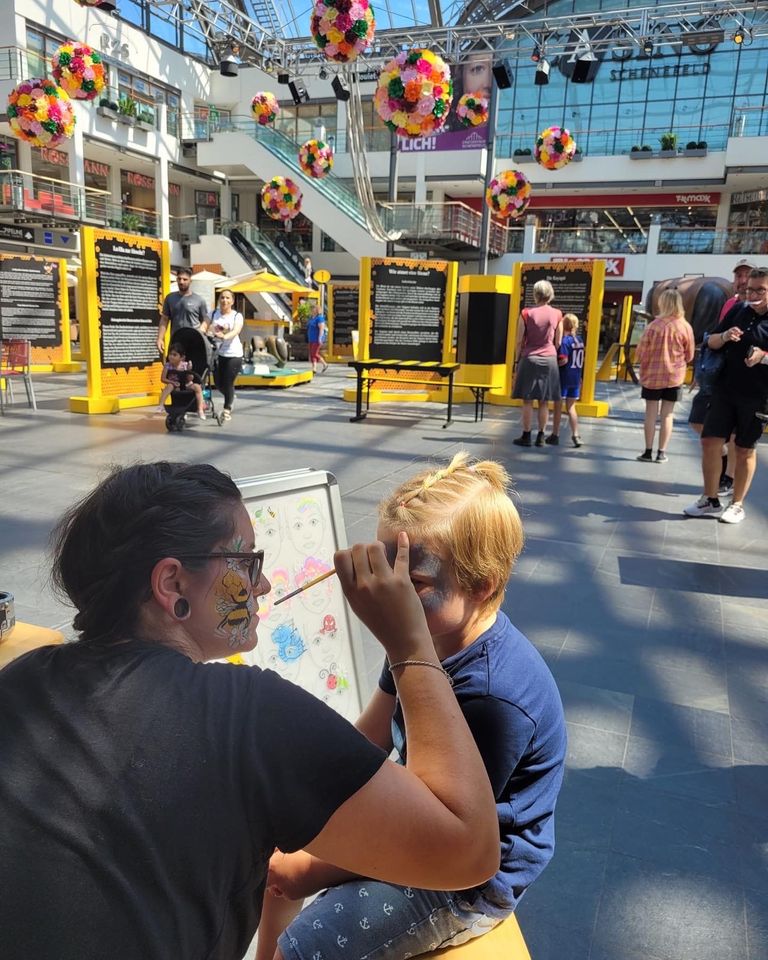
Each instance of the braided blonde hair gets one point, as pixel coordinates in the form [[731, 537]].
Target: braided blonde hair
[[463, 510]]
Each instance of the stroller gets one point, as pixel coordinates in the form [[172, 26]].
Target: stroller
[[201, 353]]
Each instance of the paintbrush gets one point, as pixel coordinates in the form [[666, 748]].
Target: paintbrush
[[306, 586]]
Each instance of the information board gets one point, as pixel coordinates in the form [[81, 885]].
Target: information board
[[129, 291], [407, 308], [571, 280], [312, 639], [579, 287], [34, 306], [343, 308], [125, 280]]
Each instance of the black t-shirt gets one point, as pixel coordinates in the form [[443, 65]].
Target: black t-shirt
[[738, 381], [141, 796]]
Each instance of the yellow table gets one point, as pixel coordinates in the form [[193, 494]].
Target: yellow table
[[25, 637]]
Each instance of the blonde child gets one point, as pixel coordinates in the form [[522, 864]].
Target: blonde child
[[570, 357], [177, 375], [465, 535]]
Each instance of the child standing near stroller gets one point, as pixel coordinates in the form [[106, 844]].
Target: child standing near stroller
[[177, 374]]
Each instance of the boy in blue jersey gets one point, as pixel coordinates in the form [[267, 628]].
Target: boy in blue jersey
[[570, 356]]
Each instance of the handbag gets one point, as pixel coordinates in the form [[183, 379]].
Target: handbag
[[709, 368]]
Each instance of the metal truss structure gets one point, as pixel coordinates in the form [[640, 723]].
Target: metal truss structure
[[693, 23]]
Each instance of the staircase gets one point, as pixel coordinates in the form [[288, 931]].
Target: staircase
[[268, 153]]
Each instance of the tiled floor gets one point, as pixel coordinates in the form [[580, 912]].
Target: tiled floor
[[655, 626]]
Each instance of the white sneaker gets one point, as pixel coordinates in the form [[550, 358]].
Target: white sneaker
[[733, 514], [703, 508]]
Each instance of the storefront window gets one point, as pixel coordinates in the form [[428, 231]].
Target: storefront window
[[301, 122], [207, 205], [9, 158], [693, 90]]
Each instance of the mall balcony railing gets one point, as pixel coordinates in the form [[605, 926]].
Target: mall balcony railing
[[41, 197], [735, 240], [452, 223], [594, 241]]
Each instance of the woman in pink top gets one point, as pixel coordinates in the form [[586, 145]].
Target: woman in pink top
[[663, 353], [539, 332]]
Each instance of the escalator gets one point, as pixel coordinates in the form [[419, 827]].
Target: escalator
[[244, 146]]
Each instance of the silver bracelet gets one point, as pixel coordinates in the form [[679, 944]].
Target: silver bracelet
[[422, 663]]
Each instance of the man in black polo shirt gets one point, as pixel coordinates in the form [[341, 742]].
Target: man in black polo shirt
[[182, 309], [739, 397]]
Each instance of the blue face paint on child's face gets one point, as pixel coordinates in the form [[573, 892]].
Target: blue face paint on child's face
[[448, 610]]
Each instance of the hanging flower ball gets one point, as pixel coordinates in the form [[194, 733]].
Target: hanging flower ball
[[472, 110], [508, 194], [281, 198], [40, 112], [342, 29], [414, 93], [316, 159], [555, 147], [265, 108], [79, 69]]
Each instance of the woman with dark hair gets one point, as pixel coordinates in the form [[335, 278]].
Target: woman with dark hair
[[539, 333], [226, 325], [144, 791]]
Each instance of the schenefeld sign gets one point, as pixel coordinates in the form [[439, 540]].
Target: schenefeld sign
[[668, 40]]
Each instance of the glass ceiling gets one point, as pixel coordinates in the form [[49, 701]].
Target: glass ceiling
[[293, 15]]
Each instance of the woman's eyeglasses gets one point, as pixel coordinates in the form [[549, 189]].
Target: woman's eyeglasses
[[254, 560]]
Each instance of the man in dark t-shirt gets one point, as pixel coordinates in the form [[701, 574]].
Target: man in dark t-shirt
[[739, 396], [182, 309]]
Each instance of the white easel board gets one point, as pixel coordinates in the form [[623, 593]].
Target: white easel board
[[313, 640]]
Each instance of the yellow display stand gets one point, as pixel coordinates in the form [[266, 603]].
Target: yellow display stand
[[112, 388], [25, 637], [504, 942], [587, 406]]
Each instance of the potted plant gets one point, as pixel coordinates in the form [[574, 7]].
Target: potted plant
[[145, 119], [524, 155], [695, 149], [131, 222], [640, 153], [127, 110], [578, 156], [668, 143], [107, 108]]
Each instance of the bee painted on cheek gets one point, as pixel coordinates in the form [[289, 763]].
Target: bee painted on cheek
[[235, 601]]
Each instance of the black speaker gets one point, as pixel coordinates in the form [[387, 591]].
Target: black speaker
[[502, 71], [298, 91], [283, 77], [582, 71], [340, 89], [483, 322]]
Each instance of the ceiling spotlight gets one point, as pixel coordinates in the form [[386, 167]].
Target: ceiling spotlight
[[541, 78], [740, 36], [283, 77], [536, 55], [647, 47], [323, 73], [230, 60]]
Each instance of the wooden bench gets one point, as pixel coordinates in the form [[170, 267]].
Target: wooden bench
[[504, 942]]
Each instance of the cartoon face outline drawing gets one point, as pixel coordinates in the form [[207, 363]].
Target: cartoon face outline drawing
[[306, 528]]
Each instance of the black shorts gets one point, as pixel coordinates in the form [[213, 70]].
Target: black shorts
[[726, 416], [699, 406], [670, 394]]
